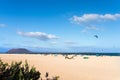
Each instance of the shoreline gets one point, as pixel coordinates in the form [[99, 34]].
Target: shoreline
[[73, 53]]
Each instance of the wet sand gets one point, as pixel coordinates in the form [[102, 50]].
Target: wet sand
[[93, 68]]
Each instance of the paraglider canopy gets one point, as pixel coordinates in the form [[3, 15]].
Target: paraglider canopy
[[96, 36]]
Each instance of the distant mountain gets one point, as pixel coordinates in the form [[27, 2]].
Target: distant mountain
[[18, 50]]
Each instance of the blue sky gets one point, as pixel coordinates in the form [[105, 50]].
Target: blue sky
[[59, 23]]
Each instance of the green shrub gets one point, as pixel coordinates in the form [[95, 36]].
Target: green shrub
[[17, 71]]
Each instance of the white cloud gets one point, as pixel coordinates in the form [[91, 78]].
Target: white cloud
[[38, 35], [35, 46], [54, 43], [90, 21], [92, 28], [88, 28], [70, 42], [2, 25], [88, 18], [85, 31]]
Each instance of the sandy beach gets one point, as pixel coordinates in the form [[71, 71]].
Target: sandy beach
[[94, 68]]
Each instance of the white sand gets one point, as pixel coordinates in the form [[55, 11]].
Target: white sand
[[94, 68]]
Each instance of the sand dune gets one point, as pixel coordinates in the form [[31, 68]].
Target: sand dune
[[94, 68]]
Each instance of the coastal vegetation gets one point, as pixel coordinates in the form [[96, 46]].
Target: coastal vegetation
[[19, 71]]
